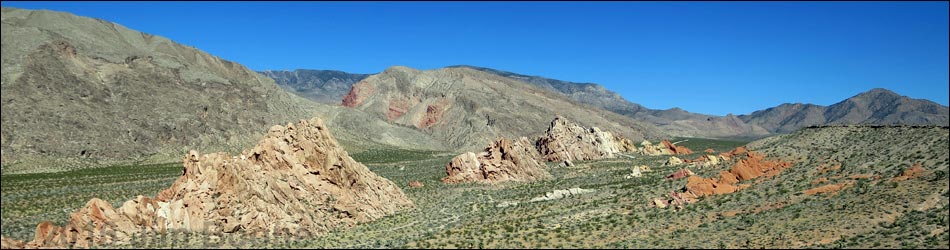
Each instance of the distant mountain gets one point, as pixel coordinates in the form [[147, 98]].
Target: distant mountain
[[675, 121], [468, 108], [323, 86], [877, 106], [79, 91]]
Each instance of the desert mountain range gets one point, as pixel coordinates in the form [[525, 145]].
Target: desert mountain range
[[562, 163], [79, 90], [876, 106]]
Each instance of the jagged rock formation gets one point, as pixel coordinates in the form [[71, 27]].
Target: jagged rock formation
[[323, 86], [296, 181], [560, 194], [752, 165], [568, 141], [502, 160], [664, 148], [467, 108]]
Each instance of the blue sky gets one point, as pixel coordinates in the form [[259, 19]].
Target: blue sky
[[706, 57]]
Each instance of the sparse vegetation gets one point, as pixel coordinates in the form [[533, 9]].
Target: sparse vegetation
[[771, 213]]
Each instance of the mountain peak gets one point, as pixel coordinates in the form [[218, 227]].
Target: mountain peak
[[879, 91]]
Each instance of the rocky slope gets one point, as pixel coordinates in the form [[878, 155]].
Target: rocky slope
[[503, 160], [78, 91], [467, 108], [877, 106], [675, 121], [323, 86], [846, 186], [296, 181]]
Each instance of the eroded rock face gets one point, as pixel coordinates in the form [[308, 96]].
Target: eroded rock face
[[664, 148], [566, 140], [296, 181], [502, 160], [748, 166]]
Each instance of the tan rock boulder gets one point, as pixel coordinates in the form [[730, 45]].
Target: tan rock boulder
[[674, 161], [566, 140], [415, 184], [502, 160], [296, 181]]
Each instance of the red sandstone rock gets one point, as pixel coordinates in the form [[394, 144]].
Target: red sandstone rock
[[679, 174], [358, 93]]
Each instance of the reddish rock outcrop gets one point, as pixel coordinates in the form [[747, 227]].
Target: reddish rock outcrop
[[830, 189], [910, 173], [664, 148], [358, 93], [565, 140], [677, 150], [415, 184], [502, 160], [752, 165], [433, 113], [398, 107], [709, 150], [704, 161], [679, 174], [296, 181]]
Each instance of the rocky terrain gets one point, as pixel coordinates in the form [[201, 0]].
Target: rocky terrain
[[467, 108], [323, 86], [78, 91], [877, 106], [675, 121], [565, 140], [296, 181], [502, 160]]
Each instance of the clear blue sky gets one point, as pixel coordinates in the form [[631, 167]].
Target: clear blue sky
[[706, 57]]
